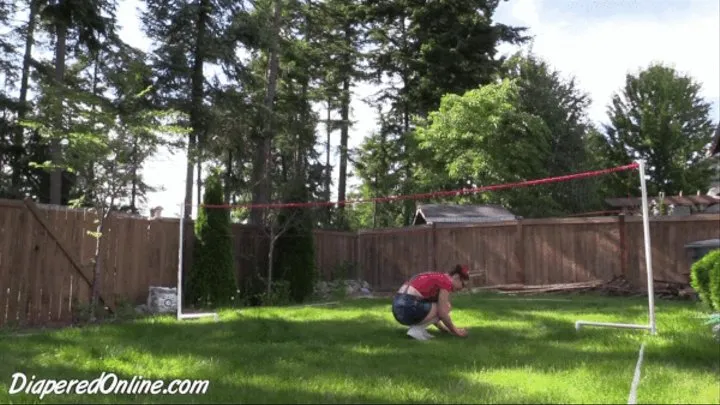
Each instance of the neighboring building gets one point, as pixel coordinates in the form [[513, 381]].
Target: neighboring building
[[677, 204], [460, 213], [156, 212]]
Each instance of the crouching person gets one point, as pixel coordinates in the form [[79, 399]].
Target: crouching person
[[424, 300]]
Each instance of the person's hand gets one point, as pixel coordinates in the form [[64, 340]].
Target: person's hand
[[461, 332]]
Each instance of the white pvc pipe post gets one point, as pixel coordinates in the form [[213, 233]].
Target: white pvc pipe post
[[180, 261], [648, 264], [180, 315], [648, 249]]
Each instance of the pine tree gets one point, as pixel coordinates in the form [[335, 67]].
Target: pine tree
[[211, 281], [295, 252], [660, 116]]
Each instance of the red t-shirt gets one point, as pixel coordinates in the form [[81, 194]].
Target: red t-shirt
[[430, 284]]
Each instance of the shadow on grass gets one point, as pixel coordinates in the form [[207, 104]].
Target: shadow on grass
[[274, 360], [256, 357], [259, 361]]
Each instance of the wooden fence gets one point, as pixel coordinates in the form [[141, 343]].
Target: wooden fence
[[535, 251], [46, 254]]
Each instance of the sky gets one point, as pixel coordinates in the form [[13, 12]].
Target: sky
[[597, 42]]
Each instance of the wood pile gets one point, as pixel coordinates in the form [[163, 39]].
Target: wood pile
[[618, 286], [538, 289]]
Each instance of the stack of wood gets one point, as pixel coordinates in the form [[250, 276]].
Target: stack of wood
[[673, 289], [539, 289], [618, 286]]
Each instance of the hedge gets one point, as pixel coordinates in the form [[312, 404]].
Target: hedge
[[705, 279]]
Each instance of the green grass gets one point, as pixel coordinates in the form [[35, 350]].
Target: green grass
[[518, 351]]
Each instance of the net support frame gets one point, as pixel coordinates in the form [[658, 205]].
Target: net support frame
[[651, 326], [180, 315]]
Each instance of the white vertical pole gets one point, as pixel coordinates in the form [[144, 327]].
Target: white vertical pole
[[648, 264], [180, 261], [648, 249]]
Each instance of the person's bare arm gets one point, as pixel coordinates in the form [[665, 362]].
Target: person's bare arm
[[444, 313], [442, 327]]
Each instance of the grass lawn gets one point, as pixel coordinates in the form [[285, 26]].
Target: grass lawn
[[518, 351]]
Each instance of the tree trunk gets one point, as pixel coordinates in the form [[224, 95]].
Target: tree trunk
[[344, 134], [198, 181], [133, 191], [55, 152], [19, 135], [301, 143], [261, 165], [196, 99], [228, 175], [271, 251], [328, 170], [189, 176]]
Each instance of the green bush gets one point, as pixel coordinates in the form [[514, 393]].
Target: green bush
[[715, 279], [211, 280], [705, 279], [294, 255]]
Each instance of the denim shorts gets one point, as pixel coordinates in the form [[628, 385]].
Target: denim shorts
[[409, 309]]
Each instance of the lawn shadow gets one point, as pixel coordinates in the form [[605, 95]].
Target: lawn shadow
[[691, 348], [268, 368], [368, 353], [262, 357]]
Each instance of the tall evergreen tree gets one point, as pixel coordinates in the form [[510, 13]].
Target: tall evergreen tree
[[420, 51], [562, 106], [660, 116], [211, 281], [187, 37]]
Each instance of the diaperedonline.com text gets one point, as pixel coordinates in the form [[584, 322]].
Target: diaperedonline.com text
[[105, 384]]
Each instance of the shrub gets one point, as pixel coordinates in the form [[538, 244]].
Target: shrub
[[294, 254], [211, 280], [715, 279], [705, 279]]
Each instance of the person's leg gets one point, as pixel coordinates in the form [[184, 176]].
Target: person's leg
[[410, 311], [427, 315]]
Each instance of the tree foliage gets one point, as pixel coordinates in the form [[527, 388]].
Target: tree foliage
[[295, 261], [482, 138], [260, 88], [705, 279], [211, 281], [659, 116]]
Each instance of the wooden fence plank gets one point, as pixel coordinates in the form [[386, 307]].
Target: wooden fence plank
[[23, 288], [69, 255], [142, 252], [8, 229]]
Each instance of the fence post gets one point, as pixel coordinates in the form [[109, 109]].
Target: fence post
[[623, 244], [356, 258], [520, 252], [434, 247]]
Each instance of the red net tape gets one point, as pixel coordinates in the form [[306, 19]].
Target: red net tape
[[435, 194]]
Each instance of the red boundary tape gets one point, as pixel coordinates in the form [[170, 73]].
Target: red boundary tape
[[421, 196]]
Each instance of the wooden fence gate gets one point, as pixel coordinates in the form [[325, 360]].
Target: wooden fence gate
[[41, 278]]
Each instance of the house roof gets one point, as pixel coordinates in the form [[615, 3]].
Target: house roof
[[454, 213], [677, 200]]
